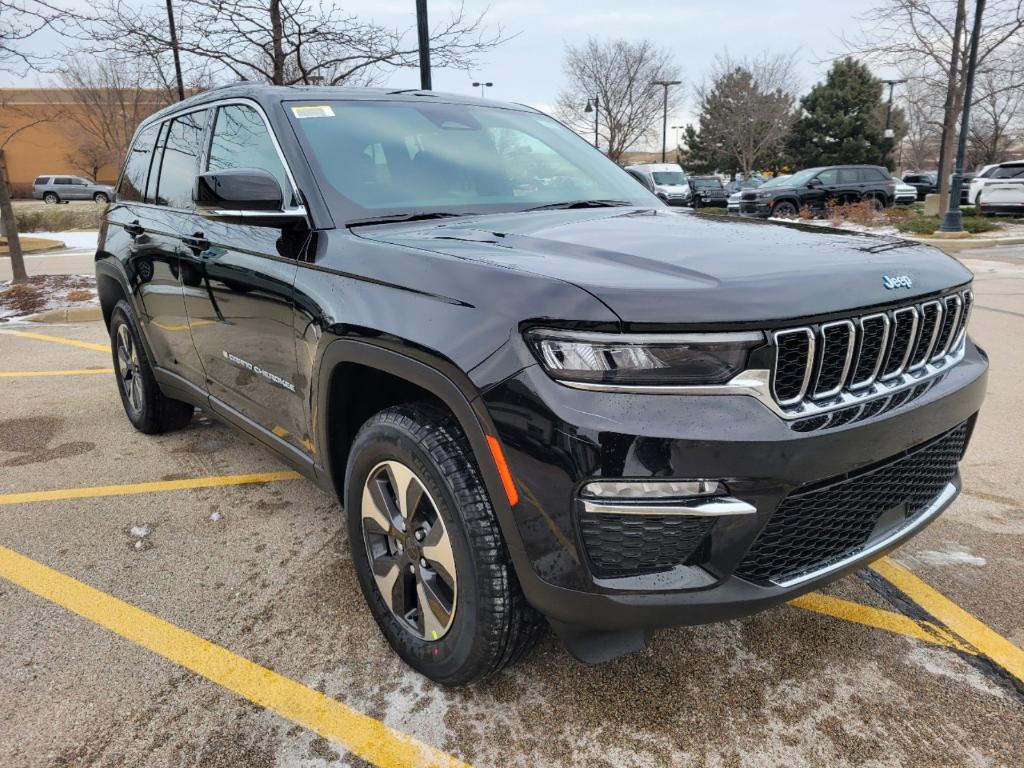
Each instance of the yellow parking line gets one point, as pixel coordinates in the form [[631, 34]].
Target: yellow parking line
[[985, 640], [59, 340], [878, 618], [28, 374], [159, 485], [360, 734]]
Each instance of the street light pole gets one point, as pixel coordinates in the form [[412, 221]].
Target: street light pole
[[423, 31], [888, 121], [953, 220], [664, 116], [594, 105], [481, 86]]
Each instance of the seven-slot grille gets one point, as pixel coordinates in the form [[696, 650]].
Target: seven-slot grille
[[820, 362]]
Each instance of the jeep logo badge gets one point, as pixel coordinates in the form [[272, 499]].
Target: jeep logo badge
[[897, 281]]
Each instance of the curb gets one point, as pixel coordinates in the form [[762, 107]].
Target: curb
[[51, 245], [967, 244], [66, 315]]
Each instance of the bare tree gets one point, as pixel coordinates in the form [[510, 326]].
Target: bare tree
[[746, 112], [921, 97], [939, 32], [997, 119], [619, 73], [284, 42], [104, 102]]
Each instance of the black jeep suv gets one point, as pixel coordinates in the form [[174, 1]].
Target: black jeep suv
[[707, 191], [814, 188], [538, 392]]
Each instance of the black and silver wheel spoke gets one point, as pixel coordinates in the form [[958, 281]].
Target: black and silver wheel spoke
[[410, 553], [128, 368]]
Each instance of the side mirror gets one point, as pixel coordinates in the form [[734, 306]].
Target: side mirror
[[253, 194], [815, 182]]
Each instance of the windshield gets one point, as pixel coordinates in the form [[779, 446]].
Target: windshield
[[375, 159], [707, 183], [800, 178], [671, 178]]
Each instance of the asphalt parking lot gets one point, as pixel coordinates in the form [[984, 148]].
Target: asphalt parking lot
[[185, 600]]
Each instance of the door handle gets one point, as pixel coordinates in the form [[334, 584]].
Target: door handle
[[134, 228]]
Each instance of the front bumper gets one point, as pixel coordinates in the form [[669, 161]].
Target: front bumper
[[556, 438], [1002, 209], [759, 208]]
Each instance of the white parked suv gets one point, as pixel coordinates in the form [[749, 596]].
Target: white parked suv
[[1003, 190], [667, 180]]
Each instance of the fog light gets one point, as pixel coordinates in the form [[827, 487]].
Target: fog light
[[651, 490]]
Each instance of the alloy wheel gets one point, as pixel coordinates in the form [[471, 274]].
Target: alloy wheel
[[128, 369], [409, 550]]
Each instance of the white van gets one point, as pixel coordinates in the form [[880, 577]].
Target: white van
[[667, 180]]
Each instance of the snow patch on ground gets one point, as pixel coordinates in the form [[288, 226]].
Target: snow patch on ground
[[74, 239], [951, 554], [45, 292]]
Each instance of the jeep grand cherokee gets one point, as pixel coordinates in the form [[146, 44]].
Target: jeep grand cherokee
[[539, 393]]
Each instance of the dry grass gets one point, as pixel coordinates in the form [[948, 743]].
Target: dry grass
[[29, 244], [58, 218]]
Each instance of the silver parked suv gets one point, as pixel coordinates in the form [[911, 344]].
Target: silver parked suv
[[61, 189]]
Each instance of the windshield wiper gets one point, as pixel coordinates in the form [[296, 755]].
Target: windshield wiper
[[393, 218], [581, 204]]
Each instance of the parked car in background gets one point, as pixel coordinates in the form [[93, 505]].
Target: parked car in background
[[925, 183], [667, 180], [813, 188], [707, 191], [975, 184], [61, 189], [737, 187], [1003, 191], [905, 193]]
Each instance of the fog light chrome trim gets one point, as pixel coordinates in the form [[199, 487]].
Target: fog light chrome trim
[[720, 506]]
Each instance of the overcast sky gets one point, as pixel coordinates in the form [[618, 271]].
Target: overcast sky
[[528, 68]]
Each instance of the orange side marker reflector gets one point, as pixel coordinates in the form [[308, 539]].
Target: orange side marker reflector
[[506, 476]]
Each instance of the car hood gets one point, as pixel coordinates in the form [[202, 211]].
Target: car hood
[[659, 266]]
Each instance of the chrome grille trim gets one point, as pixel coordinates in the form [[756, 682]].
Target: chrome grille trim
[[898, 322], [808, 367], [867, 382], [917, 360], [848, 357], [965, 318], [953, 326]]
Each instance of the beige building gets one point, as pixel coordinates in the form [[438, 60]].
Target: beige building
[[46, 131]]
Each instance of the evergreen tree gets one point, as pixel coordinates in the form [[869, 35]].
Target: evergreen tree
[[843, 120]]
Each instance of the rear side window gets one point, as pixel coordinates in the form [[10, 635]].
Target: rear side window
[[179, 164], [848, 176], [42, 180], [241, 140], [136, 169], [1009, 172], [62, 180], [873, 174]]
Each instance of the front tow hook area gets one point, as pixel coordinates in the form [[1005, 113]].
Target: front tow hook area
[[596, 646]]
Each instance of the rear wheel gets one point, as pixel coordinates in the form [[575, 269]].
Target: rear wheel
[[428, 550], [51, 198], [101, 197], [147, 408], [877, 205]]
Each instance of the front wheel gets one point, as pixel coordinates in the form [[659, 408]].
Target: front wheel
[[147, 408], [428, 551], [784, 209], [101, 197], [51, 198]]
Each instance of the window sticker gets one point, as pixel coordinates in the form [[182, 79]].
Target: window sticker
[[322, 110]]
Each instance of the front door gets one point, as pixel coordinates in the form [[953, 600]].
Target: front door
[[238, 282]]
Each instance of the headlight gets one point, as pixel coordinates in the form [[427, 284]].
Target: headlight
[[763, 195], [643, 359]]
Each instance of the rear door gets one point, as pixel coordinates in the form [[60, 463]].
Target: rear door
[[238, 281], [64, 187]]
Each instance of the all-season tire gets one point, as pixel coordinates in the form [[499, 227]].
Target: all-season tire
[[783, 209], [148, 409], [101, 197], [51, 198], [491, 624]]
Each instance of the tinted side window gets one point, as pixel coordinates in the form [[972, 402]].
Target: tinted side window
[[848, 176], [136, 169], [62, 180], [828, 177], [872, 174], [42, 180], [1009, 172], [179, 165], [241, 140]]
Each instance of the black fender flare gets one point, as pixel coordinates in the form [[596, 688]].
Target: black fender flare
[[455, 390]]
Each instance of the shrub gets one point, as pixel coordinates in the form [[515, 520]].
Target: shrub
[[58, 218], [925, 225], [857, 213]]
